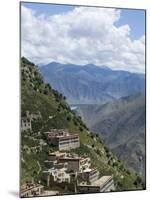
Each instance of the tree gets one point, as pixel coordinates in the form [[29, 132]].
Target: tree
[[81, 129], [45, 92], [68, 118]]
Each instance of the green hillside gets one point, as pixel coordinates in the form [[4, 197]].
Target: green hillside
[[56, 113]]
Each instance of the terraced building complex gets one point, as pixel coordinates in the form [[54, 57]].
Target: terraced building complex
[[70, 171]]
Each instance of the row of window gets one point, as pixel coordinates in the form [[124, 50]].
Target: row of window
[[66, 139], [26, 124], [68, 142]]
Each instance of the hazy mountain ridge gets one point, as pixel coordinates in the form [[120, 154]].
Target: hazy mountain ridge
[[90, 84], [121, 124]]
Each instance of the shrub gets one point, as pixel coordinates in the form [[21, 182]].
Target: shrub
[[119, 184], [48, 86], [92, 136], [138, 181], [35, 88], [64, 98], [75, 122], [106, 149], [107, 155], [128, 172], [58, 109], [45, 92], [81, 129], [109, 162], [98, 152], [68, 118]]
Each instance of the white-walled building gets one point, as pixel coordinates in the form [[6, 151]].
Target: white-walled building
[[63, 140], [26, 124]]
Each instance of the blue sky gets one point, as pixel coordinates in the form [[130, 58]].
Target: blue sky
[[133, 17], [49, 9], [81, 35]]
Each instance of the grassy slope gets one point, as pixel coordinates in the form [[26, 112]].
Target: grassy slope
[[38, 96]]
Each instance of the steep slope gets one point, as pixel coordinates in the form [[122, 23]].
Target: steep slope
[[121, 124], [94, 84], [55, 113]]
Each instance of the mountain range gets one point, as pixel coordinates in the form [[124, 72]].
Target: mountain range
[[90, 84], [121, 125]]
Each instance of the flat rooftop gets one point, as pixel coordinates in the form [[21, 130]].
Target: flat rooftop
[[72, 157], [28, 187], [57, 153], [90, 170], [100, 182], [68, 136]]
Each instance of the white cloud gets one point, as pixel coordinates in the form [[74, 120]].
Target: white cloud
[[81, 36]]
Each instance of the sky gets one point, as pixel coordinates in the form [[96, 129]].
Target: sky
[[82, 35]]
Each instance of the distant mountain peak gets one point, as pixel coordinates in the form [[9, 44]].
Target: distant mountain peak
[[55, 63], [101, 67]]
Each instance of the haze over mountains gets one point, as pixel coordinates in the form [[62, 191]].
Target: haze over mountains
[[121, 124], [90, 84]]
